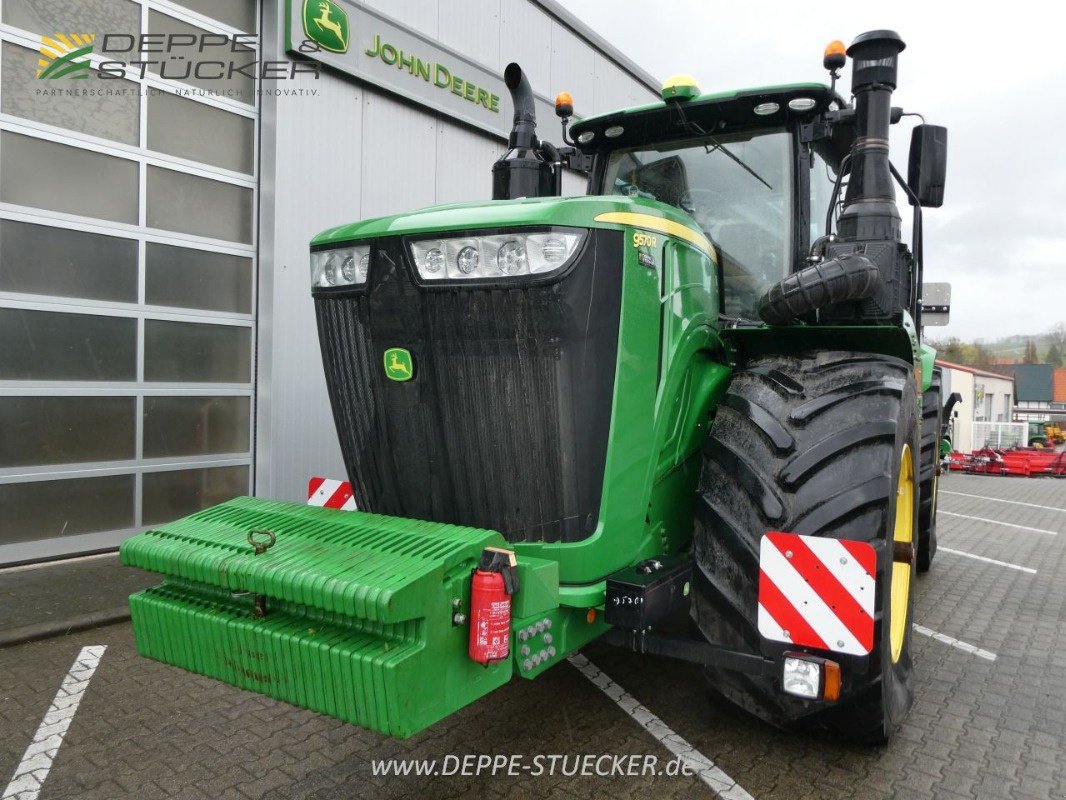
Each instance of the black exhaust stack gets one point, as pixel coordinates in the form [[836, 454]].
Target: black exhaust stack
[[870, 211], [523, 171]]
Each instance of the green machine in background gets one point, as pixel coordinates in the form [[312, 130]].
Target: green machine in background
[[622, 398]]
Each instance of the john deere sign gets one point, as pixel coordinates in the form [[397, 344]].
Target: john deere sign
[[441, 75], [365, 43], [326, 24]]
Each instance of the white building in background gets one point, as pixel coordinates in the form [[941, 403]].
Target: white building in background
[[159, 350], [987, 397]]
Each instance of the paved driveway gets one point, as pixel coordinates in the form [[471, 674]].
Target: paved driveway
[[980, 727]]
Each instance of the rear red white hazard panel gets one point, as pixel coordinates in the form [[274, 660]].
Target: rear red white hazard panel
[[817, 592], [329, 493]]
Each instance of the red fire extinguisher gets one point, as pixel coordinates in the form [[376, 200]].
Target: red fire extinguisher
[[491, 587]]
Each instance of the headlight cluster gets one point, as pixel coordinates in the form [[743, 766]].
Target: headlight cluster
[[343, 266], [491, 257]]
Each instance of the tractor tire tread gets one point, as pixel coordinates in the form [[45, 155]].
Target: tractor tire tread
[[840, 412]]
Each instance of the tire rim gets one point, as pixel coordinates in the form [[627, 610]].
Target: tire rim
[[903, 533]]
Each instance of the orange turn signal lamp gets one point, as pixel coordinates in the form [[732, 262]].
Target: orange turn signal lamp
[[831, 681]]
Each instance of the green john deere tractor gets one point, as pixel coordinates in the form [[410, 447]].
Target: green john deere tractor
[[700, 386]]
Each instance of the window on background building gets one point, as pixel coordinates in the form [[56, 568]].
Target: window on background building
[[126, 310], [34, 172], [99, 111], [40, 259]]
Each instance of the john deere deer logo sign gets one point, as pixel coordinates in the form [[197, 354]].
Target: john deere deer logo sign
[[326, 23], [398, 364]]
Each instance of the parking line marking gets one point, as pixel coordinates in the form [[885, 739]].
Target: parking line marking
[[958, 644], [31, 772], [998, 500], [1018, 567], [997, 522], [705, 769]]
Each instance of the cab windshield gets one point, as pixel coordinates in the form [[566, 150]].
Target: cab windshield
[[738, 189]]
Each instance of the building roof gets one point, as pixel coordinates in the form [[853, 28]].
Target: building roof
[[1033, 382], [974, 370]]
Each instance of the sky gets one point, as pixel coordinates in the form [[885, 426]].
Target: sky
[[995, 76]]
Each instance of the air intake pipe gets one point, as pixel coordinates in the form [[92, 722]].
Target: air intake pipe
[[523, 171], [870, 211], [865, 275]]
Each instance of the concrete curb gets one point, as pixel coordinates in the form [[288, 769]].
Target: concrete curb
[[62, 627]]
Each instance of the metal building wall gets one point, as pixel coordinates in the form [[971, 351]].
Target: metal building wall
[[354, 152]]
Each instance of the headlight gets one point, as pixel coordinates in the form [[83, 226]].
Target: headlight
[[342, 266], [802, 678], [506, 255], [811, 677]]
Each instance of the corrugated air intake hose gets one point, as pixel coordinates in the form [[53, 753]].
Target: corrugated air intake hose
[[838, 280]]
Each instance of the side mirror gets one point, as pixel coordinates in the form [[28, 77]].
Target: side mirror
[[928, 164]]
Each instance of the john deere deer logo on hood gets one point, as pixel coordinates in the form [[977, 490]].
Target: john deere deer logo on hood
[[398, 364]]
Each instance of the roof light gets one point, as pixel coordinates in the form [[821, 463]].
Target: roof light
[[834, 57], [680, 87], [564, 105], [614, 131], [802, 103], [586, 136], [765, 109]]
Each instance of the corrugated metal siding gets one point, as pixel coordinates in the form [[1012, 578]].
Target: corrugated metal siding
[[464, 164], [615, 89], [572, 70], [317, 180], [422, 15], [473, 28], [399, 151], [352, 153], [525, 37]]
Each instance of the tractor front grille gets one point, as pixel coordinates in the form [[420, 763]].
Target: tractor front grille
[[504, 424]]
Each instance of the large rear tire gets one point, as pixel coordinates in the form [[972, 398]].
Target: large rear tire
[[929, 470], [822, 444]]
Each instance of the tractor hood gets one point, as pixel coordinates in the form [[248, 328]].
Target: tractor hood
[[580, 212]]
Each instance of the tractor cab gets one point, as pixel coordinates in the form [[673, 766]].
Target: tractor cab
[[746, 166]]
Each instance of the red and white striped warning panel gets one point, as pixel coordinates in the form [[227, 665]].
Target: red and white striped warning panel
[[817, 592], [328, 493]]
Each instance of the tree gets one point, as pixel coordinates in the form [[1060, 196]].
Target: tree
[[1054, 355], [950, 350], [1030, 352], [981, 353], [1057, 334]]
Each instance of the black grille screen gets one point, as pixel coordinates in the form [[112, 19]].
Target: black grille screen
[[505, 422]]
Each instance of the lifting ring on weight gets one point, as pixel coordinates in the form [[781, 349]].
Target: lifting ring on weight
[[261, 545]]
